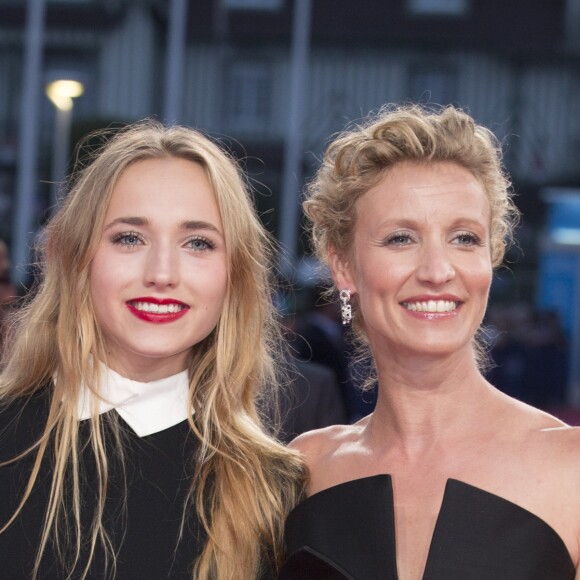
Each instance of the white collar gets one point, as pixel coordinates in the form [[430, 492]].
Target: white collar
[[146, 407]]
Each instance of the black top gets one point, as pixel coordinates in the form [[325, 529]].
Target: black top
[[348, 532], [145, 533]]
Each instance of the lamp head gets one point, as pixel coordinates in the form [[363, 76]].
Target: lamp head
[[62, 92]]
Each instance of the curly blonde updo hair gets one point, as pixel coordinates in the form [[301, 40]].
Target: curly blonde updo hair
[[359, 157]]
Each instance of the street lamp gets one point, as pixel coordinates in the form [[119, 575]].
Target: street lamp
[[61, 92]]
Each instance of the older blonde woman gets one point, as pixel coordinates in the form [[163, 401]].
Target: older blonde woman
[[448, 479]]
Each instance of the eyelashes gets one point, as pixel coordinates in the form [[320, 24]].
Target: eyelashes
[[463, 238], [133, 239], [129, 239], [398, 239], [468, 239], [200, 244]]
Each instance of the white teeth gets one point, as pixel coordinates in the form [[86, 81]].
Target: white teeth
[[157, 308], [431, 306]]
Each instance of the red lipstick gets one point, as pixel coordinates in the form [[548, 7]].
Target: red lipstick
[[157, 310]]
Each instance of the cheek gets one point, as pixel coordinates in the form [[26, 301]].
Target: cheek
[[384, 275], [97, 282], [482, 276], [98, 296], [104, 279], [109, 268], [474, 268], [486, 279], [219, 284], [376, 288], [210, 282]]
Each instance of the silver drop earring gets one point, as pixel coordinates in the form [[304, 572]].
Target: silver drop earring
[[345, 307]]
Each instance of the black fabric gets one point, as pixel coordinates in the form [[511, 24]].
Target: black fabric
[[307, 563], [144, 530], [312, 400], [350, 529], [341, 522]]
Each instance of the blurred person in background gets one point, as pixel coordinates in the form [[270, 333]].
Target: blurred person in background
[[319, 336], [529, 349], [131, 445], [547, 356], [311, 397], [310, 400], [448, 478]]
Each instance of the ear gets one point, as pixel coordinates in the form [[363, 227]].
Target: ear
[[341, 271]]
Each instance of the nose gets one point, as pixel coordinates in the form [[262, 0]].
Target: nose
[[162, 267], [435, 266]]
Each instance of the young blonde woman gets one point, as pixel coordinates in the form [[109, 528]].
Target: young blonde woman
[[130, 441]]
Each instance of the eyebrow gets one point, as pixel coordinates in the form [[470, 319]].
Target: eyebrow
[[411, 224], [187, 225]]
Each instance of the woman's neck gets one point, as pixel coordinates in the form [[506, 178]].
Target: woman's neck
[[146, 373], [421, 402]]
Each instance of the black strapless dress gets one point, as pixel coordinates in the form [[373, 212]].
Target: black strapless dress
[[348, 532]]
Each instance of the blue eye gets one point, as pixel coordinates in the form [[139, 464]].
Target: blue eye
[[200, 244], [127, 239], [399, 239], [467, 239]]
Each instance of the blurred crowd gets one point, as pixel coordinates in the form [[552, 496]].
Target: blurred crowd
[[529, 352]]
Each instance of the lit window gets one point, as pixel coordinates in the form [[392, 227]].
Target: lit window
[[254, 4], [563, 219], [438, 7]]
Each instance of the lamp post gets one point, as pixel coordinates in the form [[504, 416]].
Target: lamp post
[[292, 176], [62, 92], [26, 176]]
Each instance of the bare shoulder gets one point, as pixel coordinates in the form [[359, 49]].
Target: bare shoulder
[[536, 466], [523, 418], [549, 439], [330, 454], [539, 421], [539, 439], [320, 443], [563, 440], [556, 463]]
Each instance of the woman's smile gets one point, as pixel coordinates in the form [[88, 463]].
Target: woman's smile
[[157, 310], [420, 268], [432, 307], [159, 277]]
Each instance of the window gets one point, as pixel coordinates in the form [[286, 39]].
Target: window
[[248, 97], [438, 7], [254, 4], [436, 85]]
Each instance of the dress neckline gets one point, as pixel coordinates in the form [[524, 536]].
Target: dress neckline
[[454, 488]]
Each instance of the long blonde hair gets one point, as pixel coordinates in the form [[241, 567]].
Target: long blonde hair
[[245, 481]]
